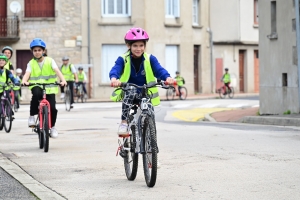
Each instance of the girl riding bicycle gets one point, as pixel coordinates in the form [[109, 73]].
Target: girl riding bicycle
[[42, 70], [138, 67]]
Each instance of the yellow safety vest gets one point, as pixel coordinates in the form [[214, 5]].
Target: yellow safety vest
[[6, 66], [81, 76], [67, 72], [2, 80], [179, 80], [16, 87], [117, 95], [44, 75]]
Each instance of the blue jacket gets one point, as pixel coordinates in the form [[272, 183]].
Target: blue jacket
[[10, 76], [139, 78]]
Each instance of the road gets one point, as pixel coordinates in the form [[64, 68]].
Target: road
[[199, 160]]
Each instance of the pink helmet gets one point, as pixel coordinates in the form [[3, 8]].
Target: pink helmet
[[136, 34]]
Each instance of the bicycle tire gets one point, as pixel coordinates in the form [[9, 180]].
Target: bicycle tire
[[183, 92], [131, 160], [41, 137], [68, 100], [45, 129], [16, 101], [231, 94], [170, 94], [150, 155], [1, 123], [7, 117], [221, 93]]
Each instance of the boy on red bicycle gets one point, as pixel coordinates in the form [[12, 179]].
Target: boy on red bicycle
[[42, 70], [5, 74], [226, 80]]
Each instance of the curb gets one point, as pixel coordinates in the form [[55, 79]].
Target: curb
[[35, 187], [264, 120], [209, 118]]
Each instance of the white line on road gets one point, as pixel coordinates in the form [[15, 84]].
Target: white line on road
[[209, 106], [182, 106], [236, 105]]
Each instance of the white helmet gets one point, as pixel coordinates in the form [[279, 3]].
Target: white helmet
[[19, 71]]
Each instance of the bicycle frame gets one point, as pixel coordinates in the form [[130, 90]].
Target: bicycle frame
[[43, 103]]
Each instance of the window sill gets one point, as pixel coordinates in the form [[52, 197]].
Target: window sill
[[197, 26], [255, 25], [273, 36], [38, 18], [116, 23], [173, 25]]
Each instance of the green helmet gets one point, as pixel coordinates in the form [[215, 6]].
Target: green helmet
[[2, 56]]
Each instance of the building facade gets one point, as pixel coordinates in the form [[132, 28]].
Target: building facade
[[279, 56]]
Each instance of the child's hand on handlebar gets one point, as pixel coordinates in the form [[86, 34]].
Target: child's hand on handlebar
[[170, 81], [115, 82], [25, 83], [63, 83]]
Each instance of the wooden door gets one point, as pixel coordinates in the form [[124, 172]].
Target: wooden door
[[219, 73], [23, 57], [3, 18], [256, 71], [196, 68], [241, 69]]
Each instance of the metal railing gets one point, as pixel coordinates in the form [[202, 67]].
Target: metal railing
[[9, 26]]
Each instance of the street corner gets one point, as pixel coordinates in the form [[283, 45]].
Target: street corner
[[233, 115], [197, 114]]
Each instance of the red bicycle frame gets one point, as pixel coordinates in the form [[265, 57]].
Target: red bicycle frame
[[43, 103], [12, 96]]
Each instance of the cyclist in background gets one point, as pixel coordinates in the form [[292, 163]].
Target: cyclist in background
[[138, 67], [6, 74], [20, 77], [180, 82], [81, 81], [8, 52], [226, 80], [69, 73], [42, 70]]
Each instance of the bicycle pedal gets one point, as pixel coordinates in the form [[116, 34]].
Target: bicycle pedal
[[32, 126]]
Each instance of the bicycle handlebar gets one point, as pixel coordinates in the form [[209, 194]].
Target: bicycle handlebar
[[42, 84], [164, 85]]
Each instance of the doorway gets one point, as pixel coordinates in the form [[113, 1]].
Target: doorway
[[197, 70], [3, 18], [242, 54], [256, 71], [23, 57]]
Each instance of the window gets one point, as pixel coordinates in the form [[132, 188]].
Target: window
[[256, 12], [39, 8], [116, 8], [171, 54], [110, 53], [273, 17], [172, 8], [196, 12]]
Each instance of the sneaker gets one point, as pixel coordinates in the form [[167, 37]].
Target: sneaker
[[31, 121], [62, 95], [53, 132], [72, 106], [21, 99], [123, 130], [85, 96]]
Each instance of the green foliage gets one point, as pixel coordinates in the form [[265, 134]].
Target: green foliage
[[288, 112]]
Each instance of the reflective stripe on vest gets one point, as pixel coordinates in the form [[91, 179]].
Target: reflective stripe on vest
[[44, 75], [117, 95], [2, 80], [67, 72]]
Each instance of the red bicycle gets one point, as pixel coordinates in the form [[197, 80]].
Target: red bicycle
[[43, 122]]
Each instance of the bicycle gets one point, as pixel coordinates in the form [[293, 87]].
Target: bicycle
[[43, 122], [171, 93], [80, 93], [14, 95], [6, 116], [141, 137], [68, 98], [223, 93]]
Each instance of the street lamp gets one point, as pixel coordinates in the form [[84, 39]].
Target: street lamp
[[211, 59]]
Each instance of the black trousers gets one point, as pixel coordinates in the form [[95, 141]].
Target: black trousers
[[71, 85], [37, 94]]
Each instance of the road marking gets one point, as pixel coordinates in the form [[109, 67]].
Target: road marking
[[182, 106], [236, 105], [255, 106], [209, 106], [197, 114]]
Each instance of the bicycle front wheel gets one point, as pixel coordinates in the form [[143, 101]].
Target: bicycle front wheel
[[221, 93], [183, 92], [170, 94], [150, 155], [231, 93], [7, 117], [45, 130], [131, 158], [68, 100]]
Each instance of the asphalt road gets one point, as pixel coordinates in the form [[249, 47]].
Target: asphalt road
[[199, 160]]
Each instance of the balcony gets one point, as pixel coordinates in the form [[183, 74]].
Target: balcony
[[9, 28]]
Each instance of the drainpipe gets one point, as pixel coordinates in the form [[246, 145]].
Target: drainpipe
[[211, 59], [298, 47], [89, 39]]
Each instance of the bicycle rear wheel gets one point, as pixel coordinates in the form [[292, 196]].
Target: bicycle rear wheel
[[1, 122], [7, 116], [231, 94], [150, 155], [45, 130], [68, 100], [183, 92], [170, 94], [131, 158], [41, 136]]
